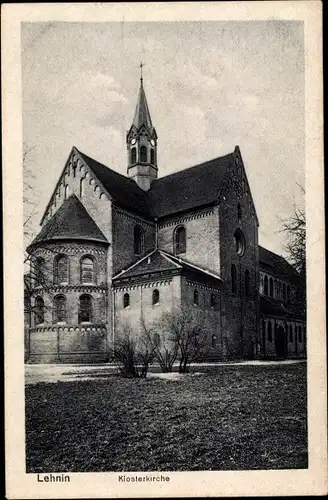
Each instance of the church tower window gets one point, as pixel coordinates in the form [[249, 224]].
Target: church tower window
[[60, 314], [180, 240], [126, 300], [233, 279], [139, 240], [271, 287], [133, 155], [239, 212], [39, 310], [239, 239], [87, 270], [152, 157], [143, 154], [266, 285], [155, 297], [61, 270], [85, 309]]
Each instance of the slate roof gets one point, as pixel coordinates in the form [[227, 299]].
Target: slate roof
[[276, 265], [190, 188], [142, 115], [71, 221], [159, 261]]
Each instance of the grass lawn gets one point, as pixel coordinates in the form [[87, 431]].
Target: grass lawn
[[228, 418]]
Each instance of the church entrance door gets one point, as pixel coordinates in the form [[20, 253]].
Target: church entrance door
[[280, 342]]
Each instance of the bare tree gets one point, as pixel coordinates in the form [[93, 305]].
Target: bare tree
[[132, 353], [183, 329], [164, 347]]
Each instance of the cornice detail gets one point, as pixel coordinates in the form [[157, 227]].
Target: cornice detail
[[136, 286], [185, 218], [196, 284]]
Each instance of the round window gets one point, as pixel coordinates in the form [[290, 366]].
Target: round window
[[239, 242]]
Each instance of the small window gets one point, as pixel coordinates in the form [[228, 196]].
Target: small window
[[196, 297], [247, 284], [87, 270], [214, 340], [155, 297], [60, 314], [126, 300], [61, 270], [82, 184], [239, 212], [269, 331], [139, 240], [180, 240], [39, 310], [85, 309], [40, 271], [266, 285], [66, 191], [74, 170], [300, 336], [133, 155], [152, 157], [233, 279], [213, 300], [291, 336], [143, 154], [271, 287], [239, 239]]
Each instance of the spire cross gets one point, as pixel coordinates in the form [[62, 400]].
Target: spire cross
[[141, 66]]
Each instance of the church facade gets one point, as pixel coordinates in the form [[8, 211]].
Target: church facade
[[116, 250]]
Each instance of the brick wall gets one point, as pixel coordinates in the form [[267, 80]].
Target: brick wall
[[202, 237], [123, 238]]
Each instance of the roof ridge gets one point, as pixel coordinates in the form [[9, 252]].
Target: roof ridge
[[134, 265]]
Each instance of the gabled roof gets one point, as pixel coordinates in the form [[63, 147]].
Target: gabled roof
[[71, 221], [142, 115], [190, 188], [160, 261], [184, 190], [123, 190], [276, 265]]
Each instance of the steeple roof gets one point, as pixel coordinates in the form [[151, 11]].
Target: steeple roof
[[142, 115]]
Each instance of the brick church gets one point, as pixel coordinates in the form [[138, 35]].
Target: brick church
[[114, 249]]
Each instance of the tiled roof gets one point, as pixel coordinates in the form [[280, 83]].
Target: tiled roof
[[142, 115], [190, 188], [276, 265], [159, 261], [71, 221]]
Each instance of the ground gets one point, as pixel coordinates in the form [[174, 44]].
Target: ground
[[223, 417]]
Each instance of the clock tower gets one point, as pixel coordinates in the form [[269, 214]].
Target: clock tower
[[141, 140]]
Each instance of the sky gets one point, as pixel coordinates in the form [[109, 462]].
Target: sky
[[210, 86]]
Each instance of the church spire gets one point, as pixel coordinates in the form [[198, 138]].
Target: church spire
[[141, 143]]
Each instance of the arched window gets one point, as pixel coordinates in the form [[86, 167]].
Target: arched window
[[196, 297], [276, 289], [82, 184], [74, 170], [239, 212], [60, 314], [143, 154], [180, 240], [269, 331], [126, 300], [139, 239], [266, 287], [85, 309], [247, 284], [233, 279], [155, 297], [239, 242], [133, 155], [291, 336], [39, 271], [300, 337], [87, 270], [214, 343], [66, 191], [61, 270], [288, 294], [213, 300], [271, 287], [152, 157], [39, 310]]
